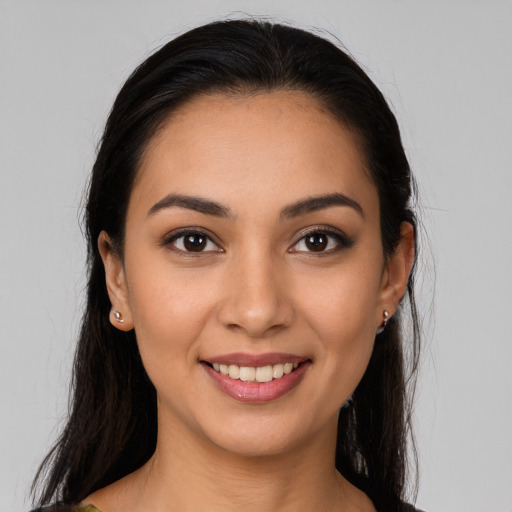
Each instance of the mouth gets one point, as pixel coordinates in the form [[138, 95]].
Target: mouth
[[266, 373], [256, 379]]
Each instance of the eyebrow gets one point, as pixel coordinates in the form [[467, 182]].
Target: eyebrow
[[313, 204], [197, 204], [208, 207]]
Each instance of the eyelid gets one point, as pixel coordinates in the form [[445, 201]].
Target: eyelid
[[344, 241], [171, 237]]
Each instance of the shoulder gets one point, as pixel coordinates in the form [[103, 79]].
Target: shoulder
[[60, 507]]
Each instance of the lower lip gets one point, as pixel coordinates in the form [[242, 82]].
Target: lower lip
[[258, 392]]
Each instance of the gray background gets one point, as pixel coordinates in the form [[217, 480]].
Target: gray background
[[445, 66]]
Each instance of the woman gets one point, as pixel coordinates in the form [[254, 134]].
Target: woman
[[250, 245]]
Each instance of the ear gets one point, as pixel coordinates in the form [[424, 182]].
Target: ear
[[396, 273], [120, 314]]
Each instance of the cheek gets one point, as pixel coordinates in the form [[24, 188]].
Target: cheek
[[342, 315], [169, 310], [345, 314]]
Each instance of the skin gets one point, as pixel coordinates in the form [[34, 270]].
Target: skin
[[256, 288]]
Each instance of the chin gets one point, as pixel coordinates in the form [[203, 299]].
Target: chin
[[255, 444], [257, 435]]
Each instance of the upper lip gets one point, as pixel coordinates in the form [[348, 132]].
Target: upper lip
[[255, 360]]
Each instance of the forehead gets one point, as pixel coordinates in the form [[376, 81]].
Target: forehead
[[282, 145]]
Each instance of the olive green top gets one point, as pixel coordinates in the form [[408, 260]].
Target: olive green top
[[92, 508]]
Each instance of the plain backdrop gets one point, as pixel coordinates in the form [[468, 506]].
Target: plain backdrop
[[446, 68]]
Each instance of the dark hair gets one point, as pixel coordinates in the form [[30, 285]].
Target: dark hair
[[111, 430]]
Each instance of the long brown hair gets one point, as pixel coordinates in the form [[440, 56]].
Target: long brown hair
[[112, 425]]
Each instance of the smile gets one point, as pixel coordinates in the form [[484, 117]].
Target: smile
[[256, 379], [255, 374]]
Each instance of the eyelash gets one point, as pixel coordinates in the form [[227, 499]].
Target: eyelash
[[171, 240], [341, 240]]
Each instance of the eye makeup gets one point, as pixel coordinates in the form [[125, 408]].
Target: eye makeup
[[322, 241], [191, 241], [317, 240]]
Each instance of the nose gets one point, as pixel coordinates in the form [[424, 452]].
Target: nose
[[254, 299]]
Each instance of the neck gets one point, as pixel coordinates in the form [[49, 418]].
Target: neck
[[189, 473]]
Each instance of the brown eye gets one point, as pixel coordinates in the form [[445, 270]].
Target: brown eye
[[322, 241], [195, 242], [316, 242], [192, 242]]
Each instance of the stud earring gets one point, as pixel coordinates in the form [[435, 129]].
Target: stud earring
[[385, 313], [119, 317]]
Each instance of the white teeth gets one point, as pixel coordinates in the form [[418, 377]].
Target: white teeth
[[264, 373], [278, 371], [258, 374], [234, 371], [247, 374]]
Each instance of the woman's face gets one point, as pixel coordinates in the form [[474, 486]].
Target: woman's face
[[252, 248]]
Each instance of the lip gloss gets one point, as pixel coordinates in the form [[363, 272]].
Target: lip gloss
[[257, 392]]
